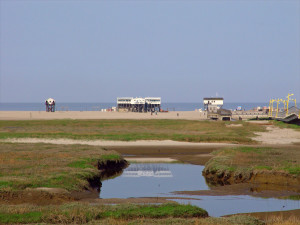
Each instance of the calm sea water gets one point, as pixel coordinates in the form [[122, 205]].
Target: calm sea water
[[61, 106]]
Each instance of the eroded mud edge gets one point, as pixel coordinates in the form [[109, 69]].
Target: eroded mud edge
[[278, 179]]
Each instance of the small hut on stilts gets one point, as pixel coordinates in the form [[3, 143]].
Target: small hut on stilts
[[50, 105]]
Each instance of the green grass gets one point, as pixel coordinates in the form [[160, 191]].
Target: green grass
[[4, 184], [30, 217], [262, 167], [83, 164], [81, 213], [110, 157], [55, 166], [245, 160], [156, 211], [293, 170], [131, 130]]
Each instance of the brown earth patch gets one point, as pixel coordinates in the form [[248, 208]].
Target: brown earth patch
[[281, 180], [256, 190], [283, 215], [37, 197]]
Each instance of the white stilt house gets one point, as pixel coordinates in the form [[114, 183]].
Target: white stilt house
[[50, 105], [148, 104]]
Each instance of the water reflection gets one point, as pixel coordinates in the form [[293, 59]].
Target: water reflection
[[160, 180], [147, 170]]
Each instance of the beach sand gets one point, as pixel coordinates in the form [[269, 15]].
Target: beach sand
[[41, 115]]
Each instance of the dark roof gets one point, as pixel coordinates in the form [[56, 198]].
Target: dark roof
[[289, 118], [213, 98], [224, 112]]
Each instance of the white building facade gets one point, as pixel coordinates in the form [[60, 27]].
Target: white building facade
[[148, 104]]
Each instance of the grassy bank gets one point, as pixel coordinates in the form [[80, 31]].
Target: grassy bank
[[52, 166], [130, 130], [76, 213], [241, 163]]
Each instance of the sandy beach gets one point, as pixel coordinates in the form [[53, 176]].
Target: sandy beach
[[41, 115]]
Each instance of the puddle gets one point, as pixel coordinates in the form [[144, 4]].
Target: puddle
[[154, 180], [161, 179]]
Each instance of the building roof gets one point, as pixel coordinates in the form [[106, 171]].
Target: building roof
[[224, 112], [211, 98]]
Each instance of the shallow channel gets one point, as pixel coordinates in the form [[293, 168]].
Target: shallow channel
[[161, 179]]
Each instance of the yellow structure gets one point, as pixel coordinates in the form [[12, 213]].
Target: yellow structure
[[271, 107], [286, 105], [278, 101]]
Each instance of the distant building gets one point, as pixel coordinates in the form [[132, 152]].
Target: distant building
[[214, 109], [130, 104], [213, 104]]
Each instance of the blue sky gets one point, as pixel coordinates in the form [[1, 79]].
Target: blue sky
[[182, 51]]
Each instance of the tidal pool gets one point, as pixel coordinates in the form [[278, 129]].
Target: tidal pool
[[161, 179]]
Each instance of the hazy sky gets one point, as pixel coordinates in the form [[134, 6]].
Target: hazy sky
[[182, 51]]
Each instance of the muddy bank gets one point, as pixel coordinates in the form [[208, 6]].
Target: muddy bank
[[34, 196], [275, 178], [284, 215], [255, 190]]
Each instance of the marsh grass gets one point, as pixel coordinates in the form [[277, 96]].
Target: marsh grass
[[81, 213], [130, 130], [244, 160], [46, 165], [280, 220]]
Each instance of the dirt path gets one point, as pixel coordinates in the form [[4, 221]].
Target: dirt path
[[105, 143], [276, 135]]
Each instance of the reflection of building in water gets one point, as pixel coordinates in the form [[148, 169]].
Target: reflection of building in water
[[147, 170]]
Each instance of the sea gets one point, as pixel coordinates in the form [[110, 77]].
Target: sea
[[98, 106]]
